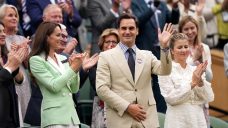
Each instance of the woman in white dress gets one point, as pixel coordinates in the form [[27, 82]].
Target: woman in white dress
[[185, 89]]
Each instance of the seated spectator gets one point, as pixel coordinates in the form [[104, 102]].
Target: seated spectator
[[186, 89]]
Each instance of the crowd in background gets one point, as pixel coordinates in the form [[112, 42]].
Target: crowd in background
[[49, 48]]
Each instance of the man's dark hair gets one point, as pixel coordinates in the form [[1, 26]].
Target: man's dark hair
[[127, 16]]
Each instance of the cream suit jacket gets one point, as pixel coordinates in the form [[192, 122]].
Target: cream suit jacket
[[115, 85]]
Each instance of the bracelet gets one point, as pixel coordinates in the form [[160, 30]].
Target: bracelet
[[165, 49]]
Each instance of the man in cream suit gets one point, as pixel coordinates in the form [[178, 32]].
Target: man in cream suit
[[127, 92]]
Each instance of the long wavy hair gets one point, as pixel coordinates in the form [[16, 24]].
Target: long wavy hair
[[40, 44]]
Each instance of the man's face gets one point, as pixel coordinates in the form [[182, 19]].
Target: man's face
[[128, 32], [54, 15]]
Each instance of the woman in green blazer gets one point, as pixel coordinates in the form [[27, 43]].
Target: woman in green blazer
[[56, 77]]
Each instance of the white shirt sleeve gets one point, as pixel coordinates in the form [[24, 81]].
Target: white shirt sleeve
[[174, 92]]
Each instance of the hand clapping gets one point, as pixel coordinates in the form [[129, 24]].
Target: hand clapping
[[197, 54], [196, 77], [17, 56], [75, 60]]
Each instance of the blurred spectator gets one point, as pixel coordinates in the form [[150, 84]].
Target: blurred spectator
[[195, 10], [103, 14], [70, 18], [221, 12], [153, 16], [81, 5], [211, 21]]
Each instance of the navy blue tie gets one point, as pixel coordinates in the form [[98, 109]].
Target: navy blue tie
[[131, 62]]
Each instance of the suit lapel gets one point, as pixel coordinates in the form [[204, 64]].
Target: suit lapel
[[55, 69], [139, 64], [121, 61]]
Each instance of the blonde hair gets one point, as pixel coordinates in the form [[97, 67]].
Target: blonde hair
[[105, 33], [187, 19], [175, 37], [3, 13]]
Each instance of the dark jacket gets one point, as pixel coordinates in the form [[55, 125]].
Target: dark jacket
[[9, 116]]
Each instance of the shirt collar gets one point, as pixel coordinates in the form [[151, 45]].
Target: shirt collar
[[125, 48]]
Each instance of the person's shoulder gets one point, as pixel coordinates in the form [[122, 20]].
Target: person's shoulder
[[205, 45], [40, 57], [108, 52], [36, 57]]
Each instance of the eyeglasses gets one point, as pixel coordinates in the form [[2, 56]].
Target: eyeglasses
[[64, 36], [110, 41]]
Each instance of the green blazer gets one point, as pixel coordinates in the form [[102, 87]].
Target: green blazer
[[57, 83]]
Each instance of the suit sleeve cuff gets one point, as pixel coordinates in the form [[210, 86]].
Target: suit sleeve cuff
[[125, 106], [8, 69]]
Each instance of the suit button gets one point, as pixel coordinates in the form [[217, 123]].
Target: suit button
[[135, 90], [64, 94], [70, 94]]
